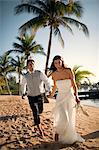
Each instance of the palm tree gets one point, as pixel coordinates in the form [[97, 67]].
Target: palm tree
[[19, 64], [5, 68], [2, 83], [52, 14], [81, 75], [27, 46]]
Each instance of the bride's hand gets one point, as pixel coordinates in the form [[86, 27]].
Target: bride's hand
[[77, 100]]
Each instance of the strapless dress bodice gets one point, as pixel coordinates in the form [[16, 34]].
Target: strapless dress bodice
[[63, 85]]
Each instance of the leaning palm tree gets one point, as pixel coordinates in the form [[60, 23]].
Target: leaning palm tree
[[80, 75], [5, 68], [52, 14], [19, 64], [27, 46]]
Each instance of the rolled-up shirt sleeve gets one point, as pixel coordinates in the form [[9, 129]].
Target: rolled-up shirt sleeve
[[23, 85], [46, 81]]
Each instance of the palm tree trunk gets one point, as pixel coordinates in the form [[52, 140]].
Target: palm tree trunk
[[1, 89], [19, 85], [7, 85], [48, 52]]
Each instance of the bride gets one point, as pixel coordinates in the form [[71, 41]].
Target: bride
[[64, 110]]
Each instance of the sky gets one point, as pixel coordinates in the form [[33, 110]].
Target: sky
[[78, 50]]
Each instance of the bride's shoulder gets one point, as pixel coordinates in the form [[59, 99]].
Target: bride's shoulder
[[53, 74], [68, 69]]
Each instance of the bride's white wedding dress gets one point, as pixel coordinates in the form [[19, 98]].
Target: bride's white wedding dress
[[64, 113]]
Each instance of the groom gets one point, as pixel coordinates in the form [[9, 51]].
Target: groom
[[33, 80]]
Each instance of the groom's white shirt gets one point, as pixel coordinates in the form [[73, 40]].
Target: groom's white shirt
[[35, 85]]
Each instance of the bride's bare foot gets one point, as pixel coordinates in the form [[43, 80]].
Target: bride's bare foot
[[56, 137]]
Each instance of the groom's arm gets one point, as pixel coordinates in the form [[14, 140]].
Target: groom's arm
[[23, 86]]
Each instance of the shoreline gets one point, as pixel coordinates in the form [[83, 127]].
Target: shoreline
[[90, 102], [17, 132], [82, 100]]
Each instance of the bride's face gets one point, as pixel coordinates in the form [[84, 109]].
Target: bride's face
[[58, 63]]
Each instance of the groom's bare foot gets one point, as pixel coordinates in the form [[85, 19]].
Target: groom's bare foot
[[40, 130], [35, 129], [56, 137]]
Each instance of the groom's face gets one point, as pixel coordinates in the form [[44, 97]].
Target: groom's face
[[30, 65]]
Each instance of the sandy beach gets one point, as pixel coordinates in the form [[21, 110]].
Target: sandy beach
[[17, 130]]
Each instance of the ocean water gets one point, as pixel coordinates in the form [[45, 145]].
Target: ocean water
[[91, 102]]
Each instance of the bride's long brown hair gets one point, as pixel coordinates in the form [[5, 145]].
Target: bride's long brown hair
[[52, 67]]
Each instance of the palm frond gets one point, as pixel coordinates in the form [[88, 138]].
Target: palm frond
[[5, 65], [28, 8], [81, 75], [42, 5], [65, 24], [15, 50], [60, 8], [37, 49], [75, 68], [17, 46], [78, 24], [74, 8], [34, 23], [57, 32]]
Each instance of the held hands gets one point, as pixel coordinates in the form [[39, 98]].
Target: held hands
[[49, 95]]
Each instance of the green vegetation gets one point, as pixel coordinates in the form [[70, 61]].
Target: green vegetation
[[9, 65], [6, 68], [52, 14], [13, 87], [19, 64], [26, 46], [82, 75]]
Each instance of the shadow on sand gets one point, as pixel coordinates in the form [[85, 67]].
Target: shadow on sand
[[92, 135], [8, 117], [11, 117], [48, 145], [52, 145]]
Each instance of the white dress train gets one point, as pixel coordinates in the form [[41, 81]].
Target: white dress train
[[64, 113]]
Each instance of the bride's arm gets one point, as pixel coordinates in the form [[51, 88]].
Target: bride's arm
[[74, 86], [54, 87]]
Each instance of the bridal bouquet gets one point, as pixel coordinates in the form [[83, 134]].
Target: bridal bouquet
[[79, 106]]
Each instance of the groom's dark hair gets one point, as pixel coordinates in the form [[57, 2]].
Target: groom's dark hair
[[29, 60]]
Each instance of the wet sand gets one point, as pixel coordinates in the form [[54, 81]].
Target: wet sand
[[17, 130]]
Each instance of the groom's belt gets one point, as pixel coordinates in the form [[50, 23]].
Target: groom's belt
[[36, 98]]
